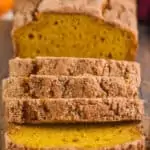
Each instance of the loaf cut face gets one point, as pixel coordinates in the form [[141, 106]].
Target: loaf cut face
[[69, 136], [40, 86], [87, 28], [75, 67], [73, 110]]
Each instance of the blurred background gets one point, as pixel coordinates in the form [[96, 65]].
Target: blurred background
[[6, 17], [143, 54]]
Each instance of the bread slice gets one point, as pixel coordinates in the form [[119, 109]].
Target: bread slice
[[40, 86], [74, 67], [73, 110], [78, 28], [74, 137]]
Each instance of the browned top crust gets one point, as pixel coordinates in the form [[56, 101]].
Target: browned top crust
[[117, 12], [135, 145], [26, 110], [75, 67], [40, 86]]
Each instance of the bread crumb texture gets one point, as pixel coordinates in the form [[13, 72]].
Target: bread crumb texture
[[80, 136], [88, 28]]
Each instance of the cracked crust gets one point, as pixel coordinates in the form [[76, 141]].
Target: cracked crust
[[120, 14], [135, 145], [72, 110], [74, 67], [40, 86]]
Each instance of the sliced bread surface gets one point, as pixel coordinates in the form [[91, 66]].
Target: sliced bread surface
[[73, 110], [74, 67], [87, 28], [40, 86], [74, 137]]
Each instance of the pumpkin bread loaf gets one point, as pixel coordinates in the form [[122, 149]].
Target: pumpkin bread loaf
[[71, 99], [73, 110], [74, 67], [40, 86], [76, 28], [74, 137]]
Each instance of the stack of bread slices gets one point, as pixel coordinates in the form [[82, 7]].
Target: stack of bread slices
[[69, 87], [73, 103]]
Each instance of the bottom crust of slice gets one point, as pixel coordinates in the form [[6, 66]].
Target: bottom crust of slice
[[135, 145]]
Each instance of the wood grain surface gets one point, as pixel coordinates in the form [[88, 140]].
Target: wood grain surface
[[143, 57]]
